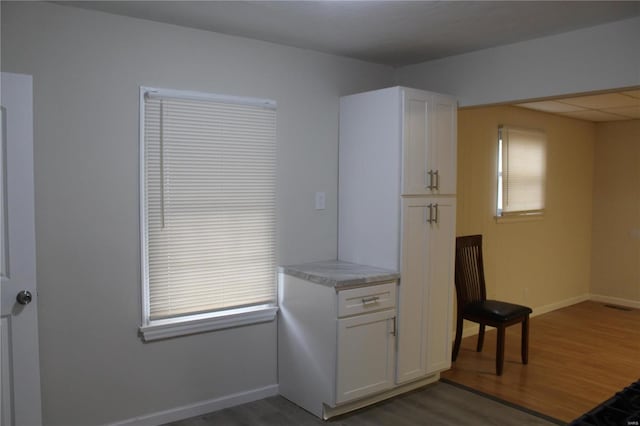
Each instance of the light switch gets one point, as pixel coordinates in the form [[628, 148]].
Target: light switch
[[320, 200]]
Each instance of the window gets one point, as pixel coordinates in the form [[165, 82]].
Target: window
[[208, 217], [521, 172]]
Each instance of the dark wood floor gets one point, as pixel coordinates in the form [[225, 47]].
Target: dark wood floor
[[438, 404], [579, 356]]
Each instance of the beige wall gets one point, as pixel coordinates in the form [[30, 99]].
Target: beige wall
[[538, 263], [616, 211]]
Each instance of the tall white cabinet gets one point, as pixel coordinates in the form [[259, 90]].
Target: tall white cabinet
[[397, 182]]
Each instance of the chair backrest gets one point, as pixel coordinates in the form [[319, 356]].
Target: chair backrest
[[469, 275]]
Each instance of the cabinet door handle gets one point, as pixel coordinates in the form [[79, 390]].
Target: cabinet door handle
[[429, 185], [369, 300], [393, 328], [437, 185], [436, 218], [430, 217]]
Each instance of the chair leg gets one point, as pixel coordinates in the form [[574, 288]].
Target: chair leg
[[500, 351], [456, 343], [480, 339], [524, 347]]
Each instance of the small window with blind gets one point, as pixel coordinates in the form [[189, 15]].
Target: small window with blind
[[208, 211], [521, 173]]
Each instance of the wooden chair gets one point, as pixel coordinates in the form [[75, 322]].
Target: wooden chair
[[474, 306]]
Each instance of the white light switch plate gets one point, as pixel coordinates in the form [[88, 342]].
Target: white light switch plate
[[320, 200]]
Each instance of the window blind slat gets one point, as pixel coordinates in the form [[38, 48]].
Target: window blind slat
[[523, 170], [210, 205]]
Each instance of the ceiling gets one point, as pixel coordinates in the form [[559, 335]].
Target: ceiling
[[394, 33], [603, 107], [398, 33]]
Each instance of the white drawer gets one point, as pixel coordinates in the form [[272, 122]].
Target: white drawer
[[366, 299]]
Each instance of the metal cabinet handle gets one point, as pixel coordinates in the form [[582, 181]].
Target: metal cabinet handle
[[369, 300], [432, 218], [393, 330], [434, 176], [429, 185]]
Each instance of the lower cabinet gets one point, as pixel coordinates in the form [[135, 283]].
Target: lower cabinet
[[426, 288], [340, 348], [366, 355], [335, 346]]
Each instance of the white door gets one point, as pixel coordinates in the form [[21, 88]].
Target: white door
[[426, 289], [442, 143], [440, 285], [20, 391], [416, 175], [366, 355], [412, 334], [429, 143]]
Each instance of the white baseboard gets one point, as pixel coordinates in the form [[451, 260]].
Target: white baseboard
[[199, 408], [474, 328], [616, 301], [559, 305]]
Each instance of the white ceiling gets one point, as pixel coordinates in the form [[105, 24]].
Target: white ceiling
[[394, 33], [603, 107], [398, 33]]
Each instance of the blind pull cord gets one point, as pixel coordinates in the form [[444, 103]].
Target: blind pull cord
[[162, 164]]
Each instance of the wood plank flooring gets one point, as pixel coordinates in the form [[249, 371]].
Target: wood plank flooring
[[579, 356], [439, 404]]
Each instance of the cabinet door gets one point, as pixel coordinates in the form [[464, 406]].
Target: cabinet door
[[440, 284], [415, 177], [412, 343], [442, 144], [366, 355], [426, 287], [429, 143]]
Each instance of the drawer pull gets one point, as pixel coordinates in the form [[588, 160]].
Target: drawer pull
[[369, 300]]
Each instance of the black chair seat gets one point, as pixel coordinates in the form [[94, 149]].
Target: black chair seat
[[496, 311]]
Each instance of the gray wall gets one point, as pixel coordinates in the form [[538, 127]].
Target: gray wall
[[87, 67], [592, 59]]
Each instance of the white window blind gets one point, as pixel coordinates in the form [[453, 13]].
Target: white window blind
[[209, 204], [521, 171]]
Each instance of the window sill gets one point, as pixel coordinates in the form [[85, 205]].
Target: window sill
[[174, 327], [519, 218]]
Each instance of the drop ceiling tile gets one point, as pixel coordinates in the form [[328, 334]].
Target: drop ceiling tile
[[631, 112], [550, 106], [591, 115], [606, 100], [634, 93]]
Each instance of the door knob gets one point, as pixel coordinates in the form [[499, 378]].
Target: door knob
[[24, 297]]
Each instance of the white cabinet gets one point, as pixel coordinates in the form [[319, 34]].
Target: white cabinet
[[335, 345], [397, 181], [425, 295], [366, 355], [394, 142], [429, 139]]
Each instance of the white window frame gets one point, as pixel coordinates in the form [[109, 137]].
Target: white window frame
[[196, 323], [523, 215]]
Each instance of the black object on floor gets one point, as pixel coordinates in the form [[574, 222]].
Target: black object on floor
[[623, 409]]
